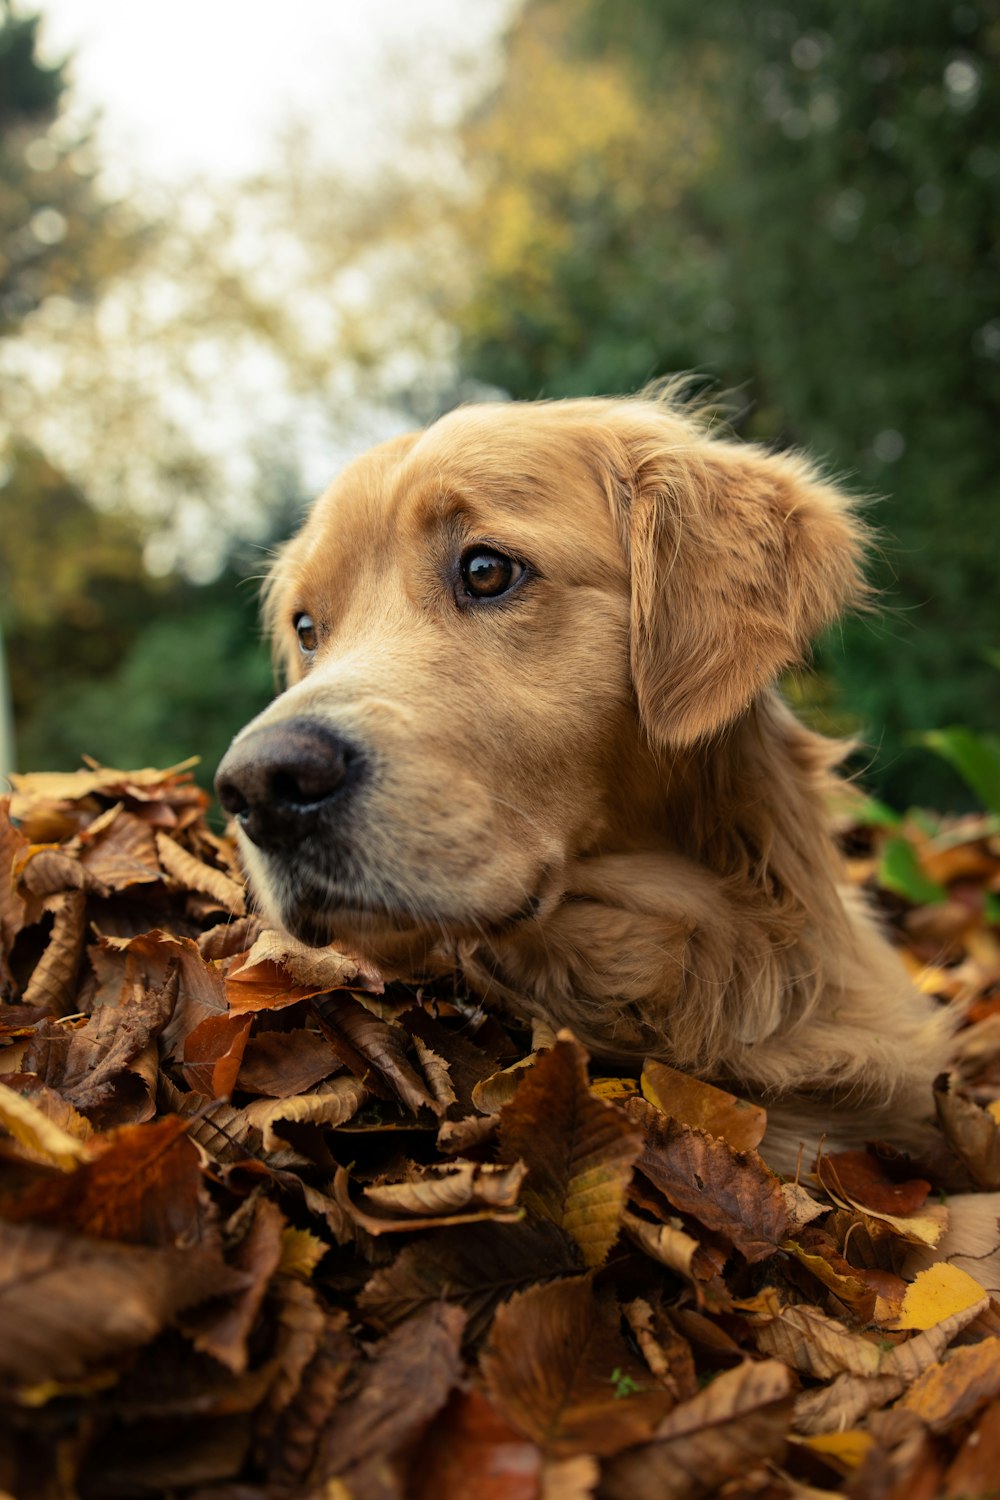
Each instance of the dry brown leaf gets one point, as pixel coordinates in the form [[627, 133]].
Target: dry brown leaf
[[457, 1136], [53, 982], [844, 1402], [304, 1415], [331, 1103], [471, 1453], [378, 1219], [368, 1045], [140, 1185], [213, 1052], [224, 1133], [923, 1228], [476, 1269], [51, 1104], [569, 1478], [579, 1151], [974, 1472], [833, 1272], [558, 1369], [471, 1054], [31, 1126], [56, 1291], [448, 1188], [223, 1333], [282, 1063], [738, 1420], [326, 968], [862, 1178], [730, 1192], [302, 1325], [144, 961], [911, 1358], [666, 1243], [193, 874], [703, 1106], [13, 844], [230, 939], [955, 1389], [38, 790], [437, 1073], [820, 1347], [109, 1062], [264, 986], [801, 1206], [973, 1132], [666, 1352], [401, 1389], [43, 870], [492, 1093], [119, 851]]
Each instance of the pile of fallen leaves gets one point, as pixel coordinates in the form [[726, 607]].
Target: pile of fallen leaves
[[267, 1230]]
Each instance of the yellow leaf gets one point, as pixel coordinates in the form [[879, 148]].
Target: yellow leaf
[[703, 1106], [614, 1088], [28, 1125], [993, 1108], [936, 1294], [301, 1253], [845, 1448]]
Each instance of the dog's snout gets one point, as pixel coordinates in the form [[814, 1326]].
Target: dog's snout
[[279, 781]]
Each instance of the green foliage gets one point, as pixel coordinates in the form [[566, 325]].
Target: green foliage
[[190, 679], [899, 870], [806, 208], [103, 659], [976, 758], [27, 88]]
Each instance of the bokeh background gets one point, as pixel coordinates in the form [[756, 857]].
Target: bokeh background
[[239, 244]]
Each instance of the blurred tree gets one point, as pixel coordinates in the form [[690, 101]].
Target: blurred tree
[[803, 203], [57, 236], [588, 269], [187, 682], [103, 658]]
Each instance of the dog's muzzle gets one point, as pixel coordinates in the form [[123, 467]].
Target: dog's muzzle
[[286, 782]]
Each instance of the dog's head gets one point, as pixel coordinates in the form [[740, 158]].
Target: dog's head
[[496, 634]]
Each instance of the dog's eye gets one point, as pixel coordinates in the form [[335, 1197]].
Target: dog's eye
[[486, 573], [307, 633]]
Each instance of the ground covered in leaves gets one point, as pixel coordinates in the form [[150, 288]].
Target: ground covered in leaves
[[269, 1232]]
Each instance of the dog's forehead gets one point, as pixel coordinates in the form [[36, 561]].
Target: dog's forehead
[[503, 472], [520, 457]]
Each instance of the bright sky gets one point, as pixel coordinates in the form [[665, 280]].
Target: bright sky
[[201, 86], [203, 89]]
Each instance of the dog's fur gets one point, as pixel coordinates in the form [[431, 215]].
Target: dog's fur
[[587, 794]]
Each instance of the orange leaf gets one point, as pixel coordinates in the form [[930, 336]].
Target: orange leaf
[[213, 1052]]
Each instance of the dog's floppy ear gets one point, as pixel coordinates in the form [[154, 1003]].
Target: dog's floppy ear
[[738, 557]]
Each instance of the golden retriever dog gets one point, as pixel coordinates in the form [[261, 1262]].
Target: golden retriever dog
[[532, 734]]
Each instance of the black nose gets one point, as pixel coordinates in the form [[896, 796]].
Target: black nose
[[280, 781]]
